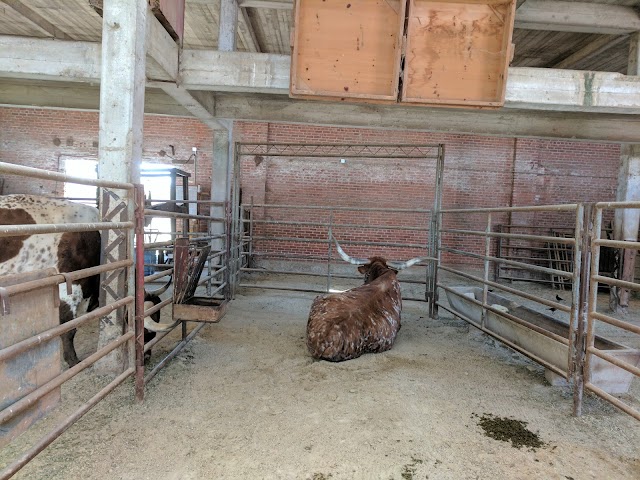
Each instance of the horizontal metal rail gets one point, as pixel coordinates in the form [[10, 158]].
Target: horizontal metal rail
[[538, 208], [30, 399], [186, 216], [208, 202], [615, 401], [327, 241], [173, 353], [616, 361], [349, 209], [525, 266], [59, 278], [630, 327], [509, 316], [12, 169], [42, 228], [155, 276], [336, 225], [628, 204], [29, 455], [31, 342], [514, 291], [220, 287], [519, 236], [158, 307], [311, 274], [617, 243], [510, 344], [616, 282]]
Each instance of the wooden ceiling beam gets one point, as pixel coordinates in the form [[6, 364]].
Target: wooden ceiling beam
[[36, 19], [591, 50]]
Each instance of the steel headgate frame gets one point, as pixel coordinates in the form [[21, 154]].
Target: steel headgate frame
[[406, 151], [118, 304]]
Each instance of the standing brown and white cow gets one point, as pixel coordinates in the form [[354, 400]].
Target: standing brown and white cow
[[66, 252], [365, 319]]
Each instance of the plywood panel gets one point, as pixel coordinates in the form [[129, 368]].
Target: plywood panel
[[458, 52], [349, 50]]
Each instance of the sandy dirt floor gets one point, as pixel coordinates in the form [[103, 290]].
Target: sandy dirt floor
[[245, 401]]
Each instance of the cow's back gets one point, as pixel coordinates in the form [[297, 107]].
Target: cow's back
[[34, 252]]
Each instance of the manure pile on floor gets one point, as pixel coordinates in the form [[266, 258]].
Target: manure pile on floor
[[508, 429]]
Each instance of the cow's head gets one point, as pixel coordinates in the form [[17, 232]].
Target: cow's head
[[375, 267]]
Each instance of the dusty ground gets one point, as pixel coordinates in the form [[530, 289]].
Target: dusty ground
[[244, 400]]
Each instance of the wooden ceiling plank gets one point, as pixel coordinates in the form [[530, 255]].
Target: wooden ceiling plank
[[591, 51], [37, 20], [250, 39]]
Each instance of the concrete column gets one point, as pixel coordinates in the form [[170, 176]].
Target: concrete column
[[626, 221], [222, 171], [633, 68], [121, 120]]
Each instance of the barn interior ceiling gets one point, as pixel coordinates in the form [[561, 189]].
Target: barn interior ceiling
[[561, 36]]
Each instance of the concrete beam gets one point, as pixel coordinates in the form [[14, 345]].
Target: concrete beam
[[633, 67], [593, 49], [78, 97], [572, 90], [200, 104], [506, 123], [162, 51], [562, 16], [276, 4]]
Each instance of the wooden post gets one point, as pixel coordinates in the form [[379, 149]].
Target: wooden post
[[121, 119]]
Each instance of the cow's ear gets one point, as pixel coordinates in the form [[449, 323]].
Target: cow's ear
[[394, 270], [362, 269]]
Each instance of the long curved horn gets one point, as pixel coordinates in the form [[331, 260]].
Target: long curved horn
[[162, 289], [152, 326], [347, 258], [408, 263]]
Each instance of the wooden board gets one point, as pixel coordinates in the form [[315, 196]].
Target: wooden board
[[458, 52], [349, 49], [200, 309], [30, 313]]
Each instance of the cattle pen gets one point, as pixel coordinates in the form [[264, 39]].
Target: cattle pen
[[319, 239]]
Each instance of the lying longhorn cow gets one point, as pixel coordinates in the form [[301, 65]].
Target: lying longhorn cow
[[66, 252], [365, 319]]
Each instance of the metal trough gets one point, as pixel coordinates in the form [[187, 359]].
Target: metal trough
[[607, 376]]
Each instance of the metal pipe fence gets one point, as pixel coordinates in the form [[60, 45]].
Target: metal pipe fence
[[52, 279]]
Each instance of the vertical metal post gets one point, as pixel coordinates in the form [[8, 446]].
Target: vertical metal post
[[250, 259], [185, 196], [329, 248], [496, 265], [139, 293], [575, 290], [579, 343], [234, 225], [593, 287], [487, 253], [227, 255], [432, 273]]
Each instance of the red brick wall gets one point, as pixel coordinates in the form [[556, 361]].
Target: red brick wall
[[479, 172], [43, 138]]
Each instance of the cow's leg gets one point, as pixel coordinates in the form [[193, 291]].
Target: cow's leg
[[68, 351]]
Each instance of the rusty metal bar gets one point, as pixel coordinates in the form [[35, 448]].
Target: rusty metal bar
[[508, 316], [173, 353], [616, 282], [510, 344], [350, 209], [337, 225], [487, 254], [618, 243], [140, 293], [155, 276], [580, 294], [31, 342], [610, 398], [59, 278], [159, 306], [346, 242], [12, 169], [593, 291], [34, 229], [519, 236], [630, 327], [160, 213], [528, 296], [29, 455], [525, 266], [537, 208], [38, 393]]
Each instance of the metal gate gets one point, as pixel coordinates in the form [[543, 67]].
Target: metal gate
[[313, 225], [115, 269]]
